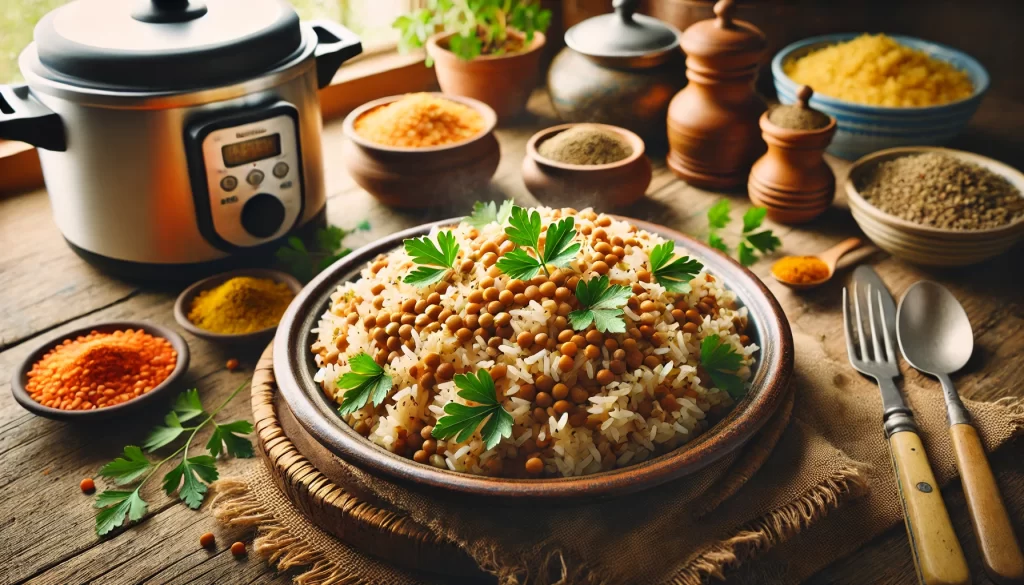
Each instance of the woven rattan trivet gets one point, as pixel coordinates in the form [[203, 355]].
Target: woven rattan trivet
[[312, 478]]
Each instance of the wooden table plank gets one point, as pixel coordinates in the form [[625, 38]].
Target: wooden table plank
[[49, 290]]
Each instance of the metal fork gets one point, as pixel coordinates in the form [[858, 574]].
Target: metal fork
[[937, 555]]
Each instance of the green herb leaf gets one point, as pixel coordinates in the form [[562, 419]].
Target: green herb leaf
[[717, 243], [524, 227], [764, 241], [601, 304], [718, 214], [160, 436], [519, 264], [304, 263], [558, 247], [753, 217], [366, 381], [745, 254], [486, 213], [676, 275], [187, 405], [461, 421], [434, 260], [117, 505], [190, 475], [128, 468], [227, 435], [721, 362]]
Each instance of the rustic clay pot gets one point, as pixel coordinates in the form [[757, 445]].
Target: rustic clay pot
[[712, 122], [418, 178], [560, 184], [503, 82], [792, 180]]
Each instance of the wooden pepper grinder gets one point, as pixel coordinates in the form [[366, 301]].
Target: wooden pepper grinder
[[712, 122], [792, 180]]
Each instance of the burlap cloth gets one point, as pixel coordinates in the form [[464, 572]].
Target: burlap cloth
[[832, 458]]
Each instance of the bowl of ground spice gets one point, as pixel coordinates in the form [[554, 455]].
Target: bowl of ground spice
[[937, 206], [586, 165], [100, 371], [422, 149], [241, 306]]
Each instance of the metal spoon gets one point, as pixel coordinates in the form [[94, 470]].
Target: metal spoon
[[935, 337], [830, 257]]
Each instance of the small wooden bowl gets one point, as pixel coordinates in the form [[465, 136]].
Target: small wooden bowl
[[418, 178], [558, 184], [183, 305], [155, 397]]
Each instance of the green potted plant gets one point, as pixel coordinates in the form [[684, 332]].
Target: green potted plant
[[488, 50]]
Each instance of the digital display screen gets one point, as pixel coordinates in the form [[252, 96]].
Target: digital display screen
[[249, 151]]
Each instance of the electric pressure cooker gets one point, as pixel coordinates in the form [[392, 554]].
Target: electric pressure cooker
[[175, 134]]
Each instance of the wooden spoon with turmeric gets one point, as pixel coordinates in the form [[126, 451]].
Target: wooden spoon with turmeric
[[803, 272]]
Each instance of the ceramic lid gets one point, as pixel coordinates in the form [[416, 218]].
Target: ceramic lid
[[622, 34], [723, 36], [165, 44]]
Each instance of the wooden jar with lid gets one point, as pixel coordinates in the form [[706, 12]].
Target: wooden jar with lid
[[792, 180], [712, 122]]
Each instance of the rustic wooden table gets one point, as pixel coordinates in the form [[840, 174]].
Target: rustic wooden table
[[46, 524]]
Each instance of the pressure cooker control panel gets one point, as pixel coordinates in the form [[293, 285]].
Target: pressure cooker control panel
[[247, 175]]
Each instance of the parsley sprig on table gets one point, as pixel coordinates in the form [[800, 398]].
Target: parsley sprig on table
[[304, 262], [434, 260], [763, 241], [524, 230], [189, 478], [485, 213], [365, 381], [461, 420], [674, 275], [601, 304], [721, 362]]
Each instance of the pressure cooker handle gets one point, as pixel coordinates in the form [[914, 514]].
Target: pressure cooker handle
[[26, 119], [335, 45]]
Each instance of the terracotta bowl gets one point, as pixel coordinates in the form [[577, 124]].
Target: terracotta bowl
[[183, 305], [156, 397], [927, 245], [418, 178], [605, 186], [294, 369]]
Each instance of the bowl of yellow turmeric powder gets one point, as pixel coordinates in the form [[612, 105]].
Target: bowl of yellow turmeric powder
[[883, 90], [240, 306]]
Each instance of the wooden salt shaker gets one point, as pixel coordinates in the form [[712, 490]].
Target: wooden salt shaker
[[792, 180], [712, 122]]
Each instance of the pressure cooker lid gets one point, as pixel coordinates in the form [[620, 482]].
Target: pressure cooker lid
[[622, 34], [165, 44]]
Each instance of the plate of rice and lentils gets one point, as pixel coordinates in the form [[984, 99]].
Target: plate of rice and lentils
[[937, 206], [538, 353]]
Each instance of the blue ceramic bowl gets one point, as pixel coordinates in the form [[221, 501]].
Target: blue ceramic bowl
[[863, 129]]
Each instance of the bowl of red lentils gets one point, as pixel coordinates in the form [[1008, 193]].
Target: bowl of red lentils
[[101, 371]]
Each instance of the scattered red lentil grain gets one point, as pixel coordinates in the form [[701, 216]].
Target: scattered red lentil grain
[[232, 365], [238, 549], [88, 486], [101, 369], [207, 540]]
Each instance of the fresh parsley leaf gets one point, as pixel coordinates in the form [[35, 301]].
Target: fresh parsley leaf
[[721, 362], [304, 263], [128, 468], [227, 435], [461, 421], [745, 254], [160, 436], [524, 230], [753, 217], [676, 275], [187, 405], [190, 475], [718, 214], [434, 260], [524, 227], [485, 213], [116, 505], [558, 247], [366, 381], [716, 242], [601, 304], [519, 264], [764, 241]]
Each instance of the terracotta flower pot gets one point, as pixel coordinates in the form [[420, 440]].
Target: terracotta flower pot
[[503, 82]]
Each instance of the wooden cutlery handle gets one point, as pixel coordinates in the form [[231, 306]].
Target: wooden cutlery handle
[[937, 554], [1000, 550]]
